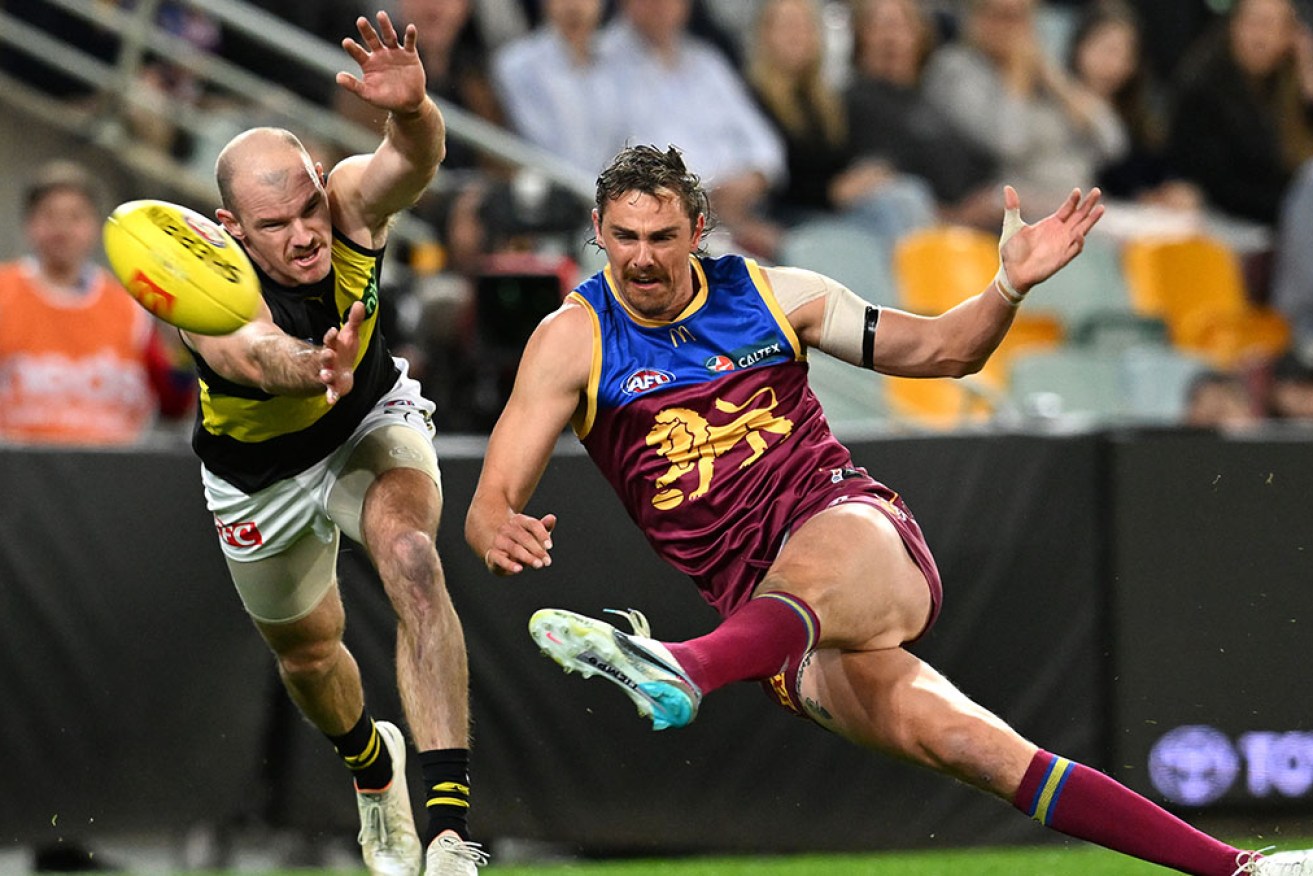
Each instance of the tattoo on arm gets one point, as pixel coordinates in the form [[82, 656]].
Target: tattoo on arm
[[287, 366]]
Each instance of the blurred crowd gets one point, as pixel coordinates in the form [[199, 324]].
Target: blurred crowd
[[80, 362], [886, 115]]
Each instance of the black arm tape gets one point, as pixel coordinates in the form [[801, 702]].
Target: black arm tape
[[868, 336]]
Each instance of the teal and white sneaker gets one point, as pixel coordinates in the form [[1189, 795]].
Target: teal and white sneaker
[[449, 855], [1298, 863], [643, 667], [388, 841]]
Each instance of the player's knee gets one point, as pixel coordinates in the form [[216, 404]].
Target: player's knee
[[971, 751], [416, 570], [415, 555], [308, 661]]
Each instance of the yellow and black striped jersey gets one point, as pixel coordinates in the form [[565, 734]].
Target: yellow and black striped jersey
[[251, 438]]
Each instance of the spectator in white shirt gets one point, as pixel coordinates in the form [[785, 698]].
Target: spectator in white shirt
[[555, 91], [679, 89]]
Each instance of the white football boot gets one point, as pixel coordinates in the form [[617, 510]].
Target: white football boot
[[388, 841], [643, 667], [449, 855], [1297, 863]]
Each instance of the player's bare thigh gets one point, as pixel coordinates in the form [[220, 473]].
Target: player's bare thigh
[[851, 566], [892, 702]]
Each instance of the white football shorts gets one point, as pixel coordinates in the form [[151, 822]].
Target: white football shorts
[[281, 542]]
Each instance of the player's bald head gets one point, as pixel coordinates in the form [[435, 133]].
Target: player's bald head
[[260, 156]]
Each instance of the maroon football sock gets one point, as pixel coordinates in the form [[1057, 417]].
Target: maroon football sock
[[754, 642], [1088, 805]]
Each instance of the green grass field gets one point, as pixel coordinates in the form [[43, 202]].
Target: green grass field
[[1057, 860]]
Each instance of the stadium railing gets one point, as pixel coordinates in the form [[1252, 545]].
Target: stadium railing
[[105, 121]]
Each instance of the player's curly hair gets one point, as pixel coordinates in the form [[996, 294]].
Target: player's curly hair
[[652, 171]]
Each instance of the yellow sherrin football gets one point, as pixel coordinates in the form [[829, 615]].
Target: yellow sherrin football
[[185, 269]]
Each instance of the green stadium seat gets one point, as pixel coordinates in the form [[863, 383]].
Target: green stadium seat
[[843, 252]]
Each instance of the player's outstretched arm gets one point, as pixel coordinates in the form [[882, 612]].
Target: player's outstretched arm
[[959, 341], [262, 355], [367, 190], [549, 385]]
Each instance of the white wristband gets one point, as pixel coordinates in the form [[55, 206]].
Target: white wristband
[[1011, 225], [1006, 289]]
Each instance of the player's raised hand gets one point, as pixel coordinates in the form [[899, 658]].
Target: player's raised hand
[[391, 74], [1032, 253], [337, 359], [521, 541]]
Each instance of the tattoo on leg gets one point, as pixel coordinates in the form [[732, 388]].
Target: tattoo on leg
[[812, 707], [816, 710]]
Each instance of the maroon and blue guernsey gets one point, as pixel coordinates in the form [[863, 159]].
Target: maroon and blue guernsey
[[707, 429]]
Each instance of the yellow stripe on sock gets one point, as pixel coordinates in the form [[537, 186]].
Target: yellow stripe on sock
[[452, 786], [803, 614], [368, 756], [463, 801], [1061, 766], [448, 801]]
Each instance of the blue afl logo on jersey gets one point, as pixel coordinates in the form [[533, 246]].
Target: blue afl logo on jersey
[[644, 379]]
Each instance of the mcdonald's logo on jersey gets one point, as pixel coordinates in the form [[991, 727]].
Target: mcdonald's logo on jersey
[[681, 334]]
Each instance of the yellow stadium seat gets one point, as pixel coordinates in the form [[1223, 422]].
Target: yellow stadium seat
[[1195, 285], [936, 268], [942, 403], [936, 403], [1030, 330]]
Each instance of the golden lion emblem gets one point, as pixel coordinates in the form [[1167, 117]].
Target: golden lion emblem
[[688, 442]]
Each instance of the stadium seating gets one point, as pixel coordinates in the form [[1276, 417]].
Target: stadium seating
[[939, 405], [1195, 285], [1087, 294], [846, 253], [852, 397], [1142, 383], [1066, 382], [934, 270], [1156, 382], [1110, 330]]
